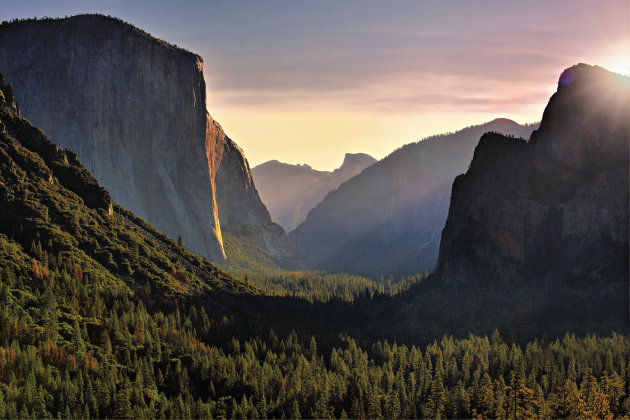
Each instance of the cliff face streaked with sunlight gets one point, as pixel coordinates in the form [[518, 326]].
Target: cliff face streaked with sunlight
[[133, 108]]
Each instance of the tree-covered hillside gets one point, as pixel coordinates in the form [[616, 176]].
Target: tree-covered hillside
[[73, 346], [56, 211]]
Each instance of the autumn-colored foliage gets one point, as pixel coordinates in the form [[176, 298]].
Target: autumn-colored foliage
[[178, 281]]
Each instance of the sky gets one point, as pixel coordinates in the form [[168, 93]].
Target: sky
[[308, 81]]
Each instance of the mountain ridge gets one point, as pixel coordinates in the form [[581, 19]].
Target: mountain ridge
[[291, 191], [554, 208], [47, 197], [388, 219]]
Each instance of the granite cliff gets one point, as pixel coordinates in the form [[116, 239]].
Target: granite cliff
[[241, 211], [389, 218], [290, 191], [133, 108], [554, 208], [47, 196]]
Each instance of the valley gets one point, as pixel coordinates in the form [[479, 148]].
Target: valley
[[147, 272]]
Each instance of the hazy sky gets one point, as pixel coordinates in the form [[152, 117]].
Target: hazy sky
[[307, 81]]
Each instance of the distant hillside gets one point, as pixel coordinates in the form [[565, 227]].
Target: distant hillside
[[291, 191], [389, 218]]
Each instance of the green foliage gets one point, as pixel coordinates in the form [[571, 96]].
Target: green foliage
[[245, 257], [47, 197], [314, 286], [111, 355], [259, 267]]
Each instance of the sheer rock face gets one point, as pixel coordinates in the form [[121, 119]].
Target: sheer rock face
[[555, 208], [290, 191], [389, 217], [241, 211], [133, 108]]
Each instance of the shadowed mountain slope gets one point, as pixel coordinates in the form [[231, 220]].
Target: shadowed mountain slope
[[290, 191], [51, 205], [389, 217], [554, 209]]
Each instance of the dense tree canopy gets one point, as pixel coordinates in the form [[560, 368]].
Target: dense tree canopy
[[72, 345]]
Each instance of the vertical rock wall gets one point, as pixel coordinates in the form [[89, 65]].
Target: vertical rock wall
[[133, 108]]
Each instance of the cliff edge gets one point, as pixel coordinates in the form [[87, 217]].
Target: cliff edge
[[133, 108]]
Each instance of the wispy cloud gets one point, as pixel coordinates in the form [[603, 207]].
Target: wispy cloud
[[298, 80], [500, 56]]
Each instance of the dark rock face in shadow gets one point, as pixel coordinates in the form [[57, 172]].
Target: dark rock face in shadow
[[554, 208]]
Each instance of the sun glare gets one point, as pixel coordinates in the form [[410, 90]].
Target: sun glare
[[619, 65], [617, 59]]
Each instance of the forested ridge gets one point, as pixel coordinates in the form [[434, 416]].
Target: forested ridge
[[314, 286], [72, 346]]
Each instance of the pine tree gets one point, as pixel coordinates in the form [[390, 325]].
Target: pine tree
[[521, 398], [437, 398], [78, 345], [105, 342], [122, 405], [567, 401], [374, 406], [598, 408], [295, 412], [139, 333], [612, 385]]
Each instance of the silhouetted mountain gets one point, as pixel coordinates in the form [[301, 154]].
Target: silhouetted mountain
[[290, 191], [389, 217], [133, 108], [554, 209]]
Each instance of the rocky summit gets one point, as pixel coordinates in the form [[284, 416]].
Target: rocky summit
[[388, 219], [291, 191], [553, 208]]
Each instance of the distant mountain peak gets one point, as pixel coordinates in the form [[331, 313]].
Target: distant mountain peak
[[356, 158], [502, 120], [290, 191], [388, 218], [353, 163]]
